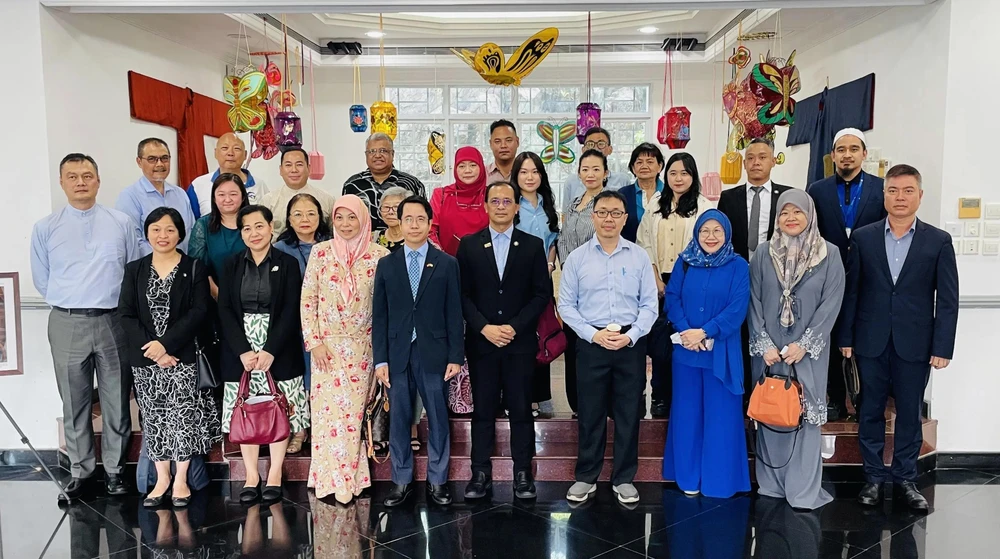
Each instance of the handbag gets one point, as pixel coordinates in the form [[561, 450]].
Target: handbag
[[261, 419], [207, 378], [853, 381], [375, 427], [460, 392], [776, 402], [551, 338]]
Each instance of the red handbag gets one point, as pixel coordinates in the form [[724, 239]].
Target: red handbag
[[551, 338], [261, 419]]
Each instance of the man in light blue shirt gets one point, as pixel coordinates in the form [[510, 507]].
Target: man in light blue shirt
[[896, 248], [608, 296], [78, 257], [599, 139], [153, 191]]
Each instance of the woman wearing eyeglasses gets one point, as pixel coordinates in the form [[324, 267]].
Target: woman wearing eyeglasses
[[459, 208], [392, 236]]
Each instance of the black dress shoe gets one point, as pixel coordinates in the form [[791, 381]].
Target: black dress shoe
[[871, 494], [907, 490], [658, 408], [271, 493], [154, 502], [835, 412], [74, 490], [439, 494], [524, 487], [479, 486], [249, 495], [399, 494], [181, 502], [115, 485]]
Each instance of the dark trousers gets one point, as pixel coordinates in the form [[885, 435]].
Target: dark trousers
[[747, 372], [661, 382], [609, 380], [905, 380], [541, 383], [836, 385], [569, 359], [511, 375], [404, 386]]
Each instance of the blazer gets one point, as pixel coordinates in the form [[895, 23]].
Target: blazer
[[733, 203], [436, 312], [919, 311], [517, 300], [631, 229], [830, 218], [284, 330], [189, 303]]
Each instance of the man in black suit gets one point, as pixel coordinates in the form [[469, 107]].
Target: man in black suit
[[417, 333], [899, 325], [752, 209], [505, 288], [846, 201]]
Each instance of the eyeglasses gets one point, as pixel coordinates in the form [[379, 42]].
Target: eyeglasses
[[603, 214], [380, 151], [387, 210], [411, 220], [300, 215], [599, 145], [501, 202], [152, 159]]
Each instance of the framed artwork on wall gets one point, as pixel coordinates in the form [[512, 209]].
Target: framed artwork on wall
[[11, 356]]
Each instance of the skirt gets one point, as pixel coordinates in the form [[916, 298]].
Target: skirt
[[255, 326], [178, 420]]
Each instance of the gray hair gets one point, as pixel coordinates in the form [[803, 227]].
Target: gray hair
[[396, 191], [379, 136], [764, 141]]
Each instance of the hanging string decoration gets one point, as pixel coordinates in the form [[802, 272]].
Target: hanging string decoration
[[358, 112], [265, 144], [588, 114], [491, 64], [557, 136], [317, 161], [435, 152], [383, 112], [287, 124], [774, 86], [245, 89], [674, 127]]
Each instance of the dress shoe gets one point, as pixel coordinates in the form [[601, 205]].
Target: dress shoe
[[154, 502], [74, 490], [439, 494], [271, 493], [479, 486], [249, 494], [115, 485], [658, 408], [835, 412], [180, 502], [871, 494], [399, 494], [907, 490], [524, 487]]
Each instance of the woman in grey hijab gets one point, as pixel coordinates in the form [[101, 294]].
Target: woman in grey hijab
[[796, 287]]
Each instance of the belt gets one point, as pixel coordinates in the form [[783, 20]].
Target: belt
[[624, 329], [91, 313]]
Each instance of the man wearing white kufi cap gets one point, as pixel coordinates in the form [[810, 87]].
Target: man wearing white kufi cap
[[850, 199]]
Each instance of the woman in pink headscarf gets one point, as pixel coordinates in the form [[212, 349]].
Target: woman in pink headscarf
[[336, 325], [460, 208]]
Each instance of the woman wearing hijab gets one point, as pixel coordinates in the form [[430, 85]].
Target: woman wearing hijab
[[706, 446], [796, 289], [460, 208], [336, 325]]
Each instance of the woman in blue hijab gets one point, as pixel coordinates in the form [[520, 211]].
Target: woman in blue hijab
[[707, 301]]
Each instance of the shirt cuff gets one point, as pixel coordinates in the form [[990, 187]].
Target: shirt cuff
[[632, 336], [381, 365]]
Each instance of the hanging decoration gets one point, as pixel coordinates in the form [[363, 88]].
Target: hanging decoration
[[287, 124], [435, 152], [557, 137], [491, 65], [383, 112], [674, 127], [317, 161], [245, 89], [774, 87], [272, 72], [711, 182], [740, 58], [264, 141], [358, 112], [588, 115]]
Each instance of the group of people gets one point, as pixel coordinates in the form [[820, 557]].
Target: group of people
[[321, 298]]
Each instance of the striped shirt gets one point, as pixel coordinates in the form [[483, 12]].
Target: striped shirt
[[364, 186], [577, 228]]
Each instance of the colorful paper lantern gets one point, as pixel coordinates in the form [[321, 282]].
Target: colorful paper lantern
[[288, 130], [711, 186], [317, 165], [435, 152], [384, 118], [588, 115], [674, 128], [731, 167], [359, 118]]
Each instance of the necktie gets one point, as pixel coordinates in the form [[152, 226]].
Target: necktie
[[414, 272], [753, 236], [500, 250]]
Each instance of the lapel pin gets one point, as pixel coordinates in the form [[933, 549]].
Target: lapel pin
[[487, 245], [429, 265], [274, 269], [515, 243]]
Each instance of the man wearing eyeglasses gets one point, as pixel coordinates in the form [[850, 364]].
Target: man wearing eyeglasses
[[505, 288], [608, 296], [370, 185], [600, 139], [153, 191]]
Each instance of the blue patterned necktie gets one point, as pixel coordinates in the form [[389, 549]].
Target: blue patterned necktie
[[414, 271]]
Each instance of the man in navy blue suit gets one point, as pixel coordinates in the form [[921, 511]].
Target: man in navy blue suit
[[848, 200], [899, 324], [417, 345]]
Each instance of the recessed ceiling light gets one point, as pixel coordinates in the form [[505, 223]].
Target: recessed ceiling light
[[375, 34], [648, 29]]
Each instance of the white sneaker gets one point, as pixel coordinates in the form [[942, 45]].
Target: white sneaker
[[694, 493], [580, 492], [626, 493]]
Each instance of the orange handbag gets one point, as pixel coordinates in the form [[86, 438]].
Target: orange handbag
[[776, 401]]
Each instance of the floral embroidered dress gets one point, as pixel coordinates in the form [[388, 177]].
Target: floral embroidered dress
[[338, 395]]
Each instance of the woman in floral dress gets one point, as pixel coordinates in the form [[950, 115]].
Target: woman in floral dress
[[336, 325]]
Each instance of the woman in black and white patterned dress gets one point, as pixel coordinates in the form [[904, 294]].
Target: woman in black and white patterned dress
[[163, 306]]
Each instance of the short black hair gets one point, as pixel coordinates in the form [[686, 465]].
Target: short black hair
[[215, 219], [146, 142], [645, 148], [253, 208], [323, 232], [78, 158], [501, 123], [593, 153], [415, 200], [160, 213], [605, 194], [597, 130], [512, 184], [904, 170], [761, 140], [293, 150]]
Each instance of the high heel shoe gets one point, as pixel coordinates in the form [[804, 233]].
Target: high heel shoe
[[298, 440]]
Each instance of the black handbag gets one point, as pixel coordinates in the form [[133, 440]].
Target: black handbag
[[852, 380], [659, 346], [207, 377], [375, 427]]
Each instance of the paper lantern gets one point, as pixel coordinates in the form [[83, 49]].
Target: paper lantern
[[731, 167], [288, 130], [359, 118], [674, 128], [384, 118], [711, 186], [588, 115], [317, 165]]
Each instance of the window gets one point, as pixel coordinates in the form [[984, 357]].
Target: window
[[481, 100], [625, 135], [411, 152], [414, 101]]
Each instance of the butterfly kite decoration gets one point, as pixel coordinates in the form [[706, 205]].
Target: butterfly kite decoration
[[489, 61], [435, 152], [246, 94], [774, 84], [558, 136]]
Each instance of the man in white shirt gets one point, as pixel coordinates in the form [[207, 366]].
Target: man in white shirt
[[295, 173], [599, 139], [230, 153]]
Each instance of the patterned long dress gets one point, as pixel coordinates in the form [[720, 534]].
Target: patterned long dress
[[337, 397]]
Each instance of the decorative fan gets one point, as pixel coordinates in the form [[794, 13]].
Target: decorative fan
[[489, 61], [557, 136]]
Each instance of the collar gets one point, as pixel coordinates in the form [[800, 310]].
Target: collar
[[81, 213], [305, 187], [911, 229], [369, 176], [494, 169], [250, 182], [147, 185], [767, 187], [422, 251], [840, 180], [594, 242], [508, 233], [659, 185], [249, 256]]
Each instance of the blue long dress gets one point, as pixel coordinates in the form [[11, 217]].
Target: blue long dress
[[300, 252]]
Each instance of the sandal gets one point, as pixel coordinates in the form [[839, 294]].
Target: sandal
[[415, 444], [298, 439]]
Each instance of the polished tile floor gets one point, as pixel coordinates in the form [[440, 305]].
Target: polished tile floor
[[962, 524]]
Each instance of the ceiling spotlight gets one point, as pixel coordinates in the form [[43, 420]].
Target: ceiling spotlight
[[375, 34], [648, 29]]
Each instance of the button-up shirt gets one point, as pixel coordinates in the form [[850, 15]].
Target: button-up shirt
[[200, 191], [896, 248], [421, 258], [574, 187], [255, 285], [364, 186], [494, 174], [78, 257], [640, 198], [277, 202], [534, 222], [501, 247], [597, 289], [764, 223], [141, 198]]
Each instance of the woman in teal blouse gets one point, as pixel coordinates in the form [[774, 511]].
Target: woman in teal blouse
[[215, 237]]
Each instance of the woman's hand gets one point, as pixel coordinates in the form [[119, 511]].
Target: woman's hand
[[692, 337], [794, 354], [771, 357], [264, 360], [154, 350], [321, 357], [249, 360], [660, 286], [213, 289], [166, 361]]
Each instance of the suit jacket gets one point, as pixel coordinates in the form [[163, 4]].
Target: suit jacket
[[436, 312], [733, 203], [631, 229], [189, 301], [517, 300], [284, 330], [919, 311], [871, 208]]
